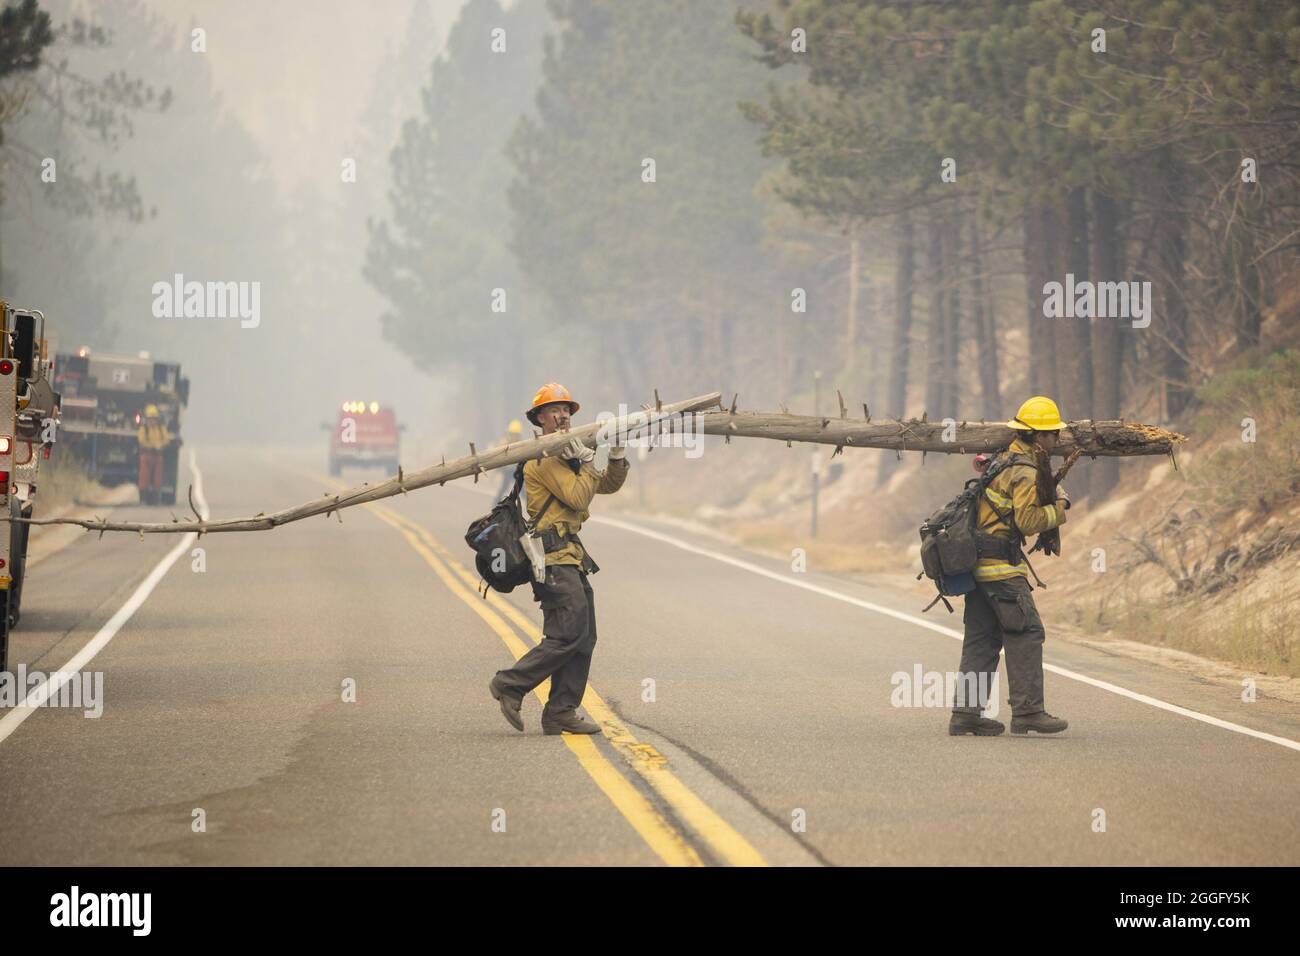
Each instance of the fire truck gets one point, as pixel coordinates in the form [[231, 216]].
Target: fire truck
[[364, 435], [29, 419], [104, 398]]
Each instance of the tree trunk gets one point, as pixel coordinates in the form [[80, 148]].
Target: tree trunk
[[901, 350], [952, 381], [1172, 255], [670, 417], [851, 320], [1249, 282], [1074, 340], [1092, 438], [876, 334], [1252, 291], [935, 361], [1039, 231], [1107, 341], [1074, 335], [985, 328]]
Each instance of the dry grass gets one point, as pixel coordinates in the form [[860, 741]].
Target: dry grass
[[62, 482], [830, 556], [1252, 626]]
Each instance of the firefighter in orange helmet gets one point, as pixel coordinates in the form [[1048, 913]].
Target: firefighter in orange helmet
[[560, 490]]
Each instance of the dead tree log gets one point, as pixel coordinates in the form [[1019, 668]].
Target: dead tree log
[[1095, 439], [475, 463]]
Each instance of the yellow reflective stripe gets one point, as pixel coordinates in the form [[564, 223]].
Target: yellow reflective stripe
[[993, 572], [1002, 501], [1051, 516]]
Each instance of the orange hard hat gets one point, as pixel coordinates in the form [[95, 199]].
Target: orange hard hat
[[548, 393]]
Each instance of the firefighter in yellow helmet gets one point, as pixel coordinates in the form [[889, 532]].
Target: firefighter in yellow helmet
[[154, 438], [560, 490], [1000, 612]]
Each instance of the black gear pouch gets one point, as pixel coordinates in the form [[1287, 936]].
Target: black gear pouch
[[1010, 610]]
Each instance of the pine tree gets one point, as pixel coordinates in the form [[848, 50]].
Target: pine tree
[[444, 248], [675, 265]]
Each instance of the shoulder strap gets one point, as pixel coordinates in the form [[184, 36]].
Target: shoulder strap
[[546, 504], [999, 465], [995, 468], [519, 481]]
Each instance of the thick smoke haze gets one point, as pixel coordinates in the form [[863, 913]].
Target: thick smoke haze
[[241, 178]]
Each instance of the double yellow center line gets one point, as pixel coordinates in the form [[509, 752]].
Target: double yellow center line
[[663, 836]]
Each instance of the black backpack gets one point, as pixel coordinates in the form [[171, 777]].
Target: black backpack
[[496, 539], [951, 545]]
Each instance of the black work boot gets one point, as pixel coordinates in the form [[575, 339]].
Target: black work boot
[[974, 724], [1040, 723], [510, 704], [568, 723]]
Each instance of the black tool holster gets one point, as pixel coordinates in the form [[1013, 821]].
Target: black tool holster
[[552, 540]]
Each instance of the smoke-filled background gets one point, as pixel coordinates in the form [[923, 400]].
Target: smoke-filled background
[[224, 165], [447, 204]]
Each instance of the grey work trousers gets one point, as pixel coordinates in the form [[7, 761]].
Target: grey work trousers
[[1001, 614], [568, 640]]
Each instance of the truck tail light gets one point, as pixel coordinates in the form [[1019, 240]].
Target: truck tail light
[[4, 482], [6, 367], [6, 444], [3, 562]]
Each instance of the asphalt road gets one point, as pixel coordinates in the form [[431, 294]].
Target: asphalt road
[[748, 713]]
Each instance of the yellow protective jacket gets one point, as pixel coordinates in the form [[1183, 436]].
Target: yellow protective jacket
[[154, 437], [573, 493], [1015, 492]]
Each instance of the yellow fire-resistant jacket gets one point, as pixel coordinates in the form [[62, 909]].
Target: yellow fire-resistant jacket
[[154, 437], [573, 494], [1014, 490]]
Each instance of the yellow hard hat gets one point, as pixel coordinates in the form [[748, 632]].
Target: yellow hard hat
[[151, 411], [1038, 414], [516, 427], [548, 393]]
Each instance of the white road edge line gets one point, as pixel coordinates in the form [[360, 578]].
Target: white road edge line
[[948, 631], [13, 720], [928, 625]]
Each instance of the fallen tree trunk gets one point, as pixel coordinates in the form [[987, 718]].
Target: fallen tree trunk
[[475, 463], [1108, 438], [1093, 438]]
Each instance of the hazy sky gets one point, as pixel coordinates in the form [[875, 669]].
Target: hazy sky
[[289, 69], [298, 75]]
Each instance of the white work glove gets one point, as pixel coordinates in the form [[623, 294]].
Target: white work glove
[[617, 451], [536, 556], [1063, 495], [576, 449]]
